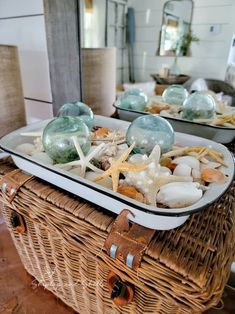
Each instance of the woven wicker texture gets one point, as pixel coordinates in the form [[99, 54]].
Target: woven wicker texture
[[183, 271], [12, 114]]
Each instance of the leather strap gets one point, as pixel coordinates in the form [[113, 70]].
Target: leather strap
[[12, 181], [128, 241]]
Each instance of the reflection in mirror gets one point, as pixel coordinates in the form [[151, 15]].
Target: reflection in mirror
[[175, 36]]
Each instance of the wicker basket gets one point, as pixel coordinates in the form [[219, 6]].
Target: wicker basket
[[182, 271]]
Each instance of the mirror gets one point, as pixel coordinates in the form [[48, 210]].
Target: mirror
[[175, 37]]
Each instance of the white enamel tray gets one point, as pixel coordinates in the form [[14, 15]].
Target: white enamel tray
[[218, 134], [149, 216]]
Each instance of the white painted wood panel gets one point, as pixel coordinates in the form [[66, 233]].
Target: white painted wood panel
[[209, 3], [29, 35], [213, 15], [203, 32], [147, 34], [206, 67], [36, 111], [148, 18], [142, 5], [214, 67], [206, 50], [9, 8], [149, 48], [122, 75]]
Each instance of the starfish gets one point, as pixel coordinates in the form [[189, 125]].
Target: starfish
[[84, 161], [226, 118], [200, 150], [118, 166]]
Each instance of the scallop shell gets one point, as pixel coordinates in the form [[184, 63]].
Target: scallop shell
[[179, 194], [213, 175]]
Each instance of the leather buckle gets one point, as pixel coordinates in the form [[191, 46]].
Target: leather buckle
[[11, 182], [128, 241]]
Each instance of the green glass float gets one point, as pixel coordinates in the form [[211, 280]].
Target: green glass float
[[175, 94], [136, 92], [57, 138], [78, 109], [133, 99], [147, 131], [198, 105]]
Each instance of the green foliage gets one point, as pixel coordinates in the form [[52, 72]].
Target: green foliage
[[183, 45]]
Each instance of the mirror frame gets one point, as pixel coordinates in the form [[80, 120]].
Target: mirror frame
[[160, 33]]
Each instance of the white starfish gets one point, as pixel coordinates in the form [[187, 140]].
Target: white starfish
[[84, 161]]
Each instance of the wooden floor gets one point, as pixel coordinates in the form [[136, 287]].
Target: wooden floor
[[20, 294]]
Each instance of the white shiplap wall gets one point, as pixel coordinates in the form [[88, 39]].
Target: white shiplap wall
[[209, 56], [22, 24]]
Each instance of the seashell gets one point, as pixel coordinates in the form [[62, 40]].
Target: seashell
[[165, 113], [196, 174], [38, 144], [43, 157], [137, 159], [65, 167], [165, 170], [76, 171], [182, 170], [157, 108], [131, 192], [213, 175], [26, 148], [104, 162], [106, 182], [210, 164], [101, 132], [165, 162], [223, 108], [110, 150], [192, 162], [165, 179], [179, 194]]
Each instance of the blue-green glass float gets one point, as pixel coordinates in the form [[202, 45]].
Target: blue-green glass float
[[57, 138], [147, 131], [136, 92], [78, 109], [175, 94], [133, 99], [198, 105]]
